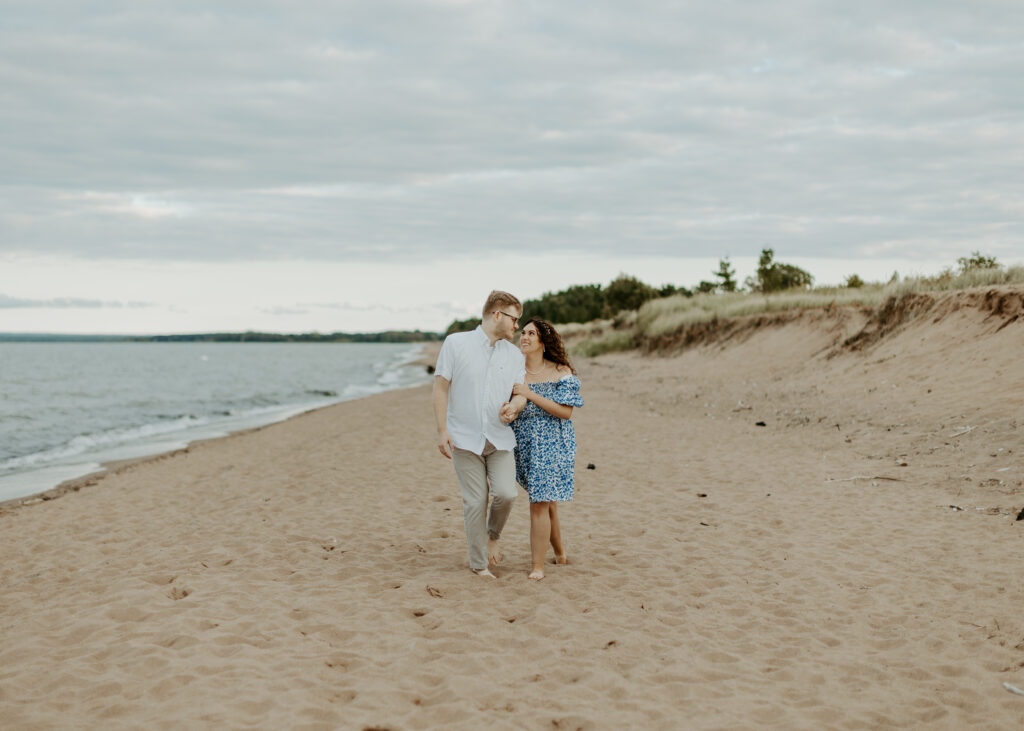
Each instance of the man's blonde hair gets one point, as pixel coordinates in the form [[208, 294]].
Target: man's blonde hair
[[497, 300]]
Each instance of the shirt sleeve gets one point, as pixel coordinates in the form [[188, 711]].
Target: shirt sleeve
[[568, 392], [445, 359]]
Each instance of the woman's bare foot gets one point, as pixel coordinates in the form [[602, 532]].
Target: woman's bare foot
[[536, 575], [560, 560]]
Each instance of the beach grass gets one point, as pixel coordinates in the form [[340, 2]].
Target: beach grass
[[590, 339], [670, 314], [662, 316], [949, 280], [610, 342]]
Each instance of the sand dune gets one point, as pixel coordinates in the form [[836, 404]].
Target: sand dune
[[809, 573]]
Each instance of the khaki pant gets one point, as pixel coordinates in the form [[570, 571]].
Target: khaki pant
[[497, 468]]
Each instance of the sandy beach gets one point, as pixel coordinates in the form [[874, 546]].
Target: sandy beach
[[807, 524]]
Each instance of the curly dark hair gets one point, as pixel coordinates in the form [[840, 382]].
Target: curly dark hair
[[554, 348]]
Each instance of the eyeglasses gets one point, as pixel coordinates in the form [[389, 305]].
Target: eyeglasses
[[515, 320]]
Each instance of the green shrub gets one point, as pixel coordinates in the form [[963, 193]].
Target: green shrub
[[773, 276], [459, 326], [626, 293], [726, 274], [977, 260], [667, 290], [579, 303]]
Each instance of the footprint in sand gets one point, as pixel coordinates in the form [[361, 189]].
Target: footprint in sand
[[178, 593]]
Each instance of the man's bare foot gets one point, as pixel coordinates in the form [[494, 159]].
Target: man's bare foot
[[536, 575], [560, 560], [493, 552], [483, 572]]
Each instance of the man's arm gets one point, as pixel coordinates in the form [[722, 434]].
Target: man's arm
[[444, 440], [512, 408]]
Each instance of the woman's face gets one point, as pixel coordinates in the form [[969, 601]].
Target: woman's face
[[529, 342]]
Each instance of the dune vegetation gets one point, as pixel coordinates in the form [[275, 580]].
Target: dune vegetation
[[660, 318]]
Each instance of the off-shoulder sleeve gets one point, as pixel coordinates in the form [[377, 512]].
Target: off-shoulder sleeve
[[568, 392]]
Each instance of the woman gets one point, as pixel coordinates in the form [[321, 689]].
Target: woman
[[545, 450]]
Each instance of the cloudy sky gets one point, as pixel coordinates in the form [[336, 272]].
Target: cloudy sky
[[183, 167]]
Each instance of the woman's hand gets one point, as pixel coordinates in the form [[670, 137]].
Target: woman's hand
[[521, 389], [507, 413]]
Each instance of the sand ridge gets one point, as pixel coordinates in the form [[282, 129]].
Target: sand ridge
[[809, 573]]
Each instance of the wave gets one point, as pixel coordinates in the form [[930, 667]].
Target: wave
[[85, 443]]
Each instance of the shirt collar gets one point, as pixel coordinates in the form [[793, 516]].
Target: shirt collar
[[486, 341]]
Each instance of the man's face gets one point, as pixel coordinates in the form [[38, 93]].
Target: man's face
[[508, 321]]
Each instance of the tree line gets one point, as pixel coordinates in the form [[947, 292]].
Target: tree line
[[586, 302]]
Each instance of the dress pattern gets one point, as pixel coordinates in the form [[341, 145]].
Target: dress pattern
[[546, 445]]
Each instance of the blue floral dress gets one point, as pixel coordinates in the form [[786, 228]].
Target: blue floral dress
[[546, 445]]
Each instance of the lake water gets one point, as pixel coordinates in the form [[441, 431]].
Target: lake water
[[67, 407]]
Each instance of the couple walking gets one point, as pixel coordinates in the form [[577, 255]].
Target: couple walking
[[502, 416]]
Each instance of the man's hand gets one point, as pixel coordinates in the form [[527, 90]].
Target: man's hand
[[444, 440], [508, 413], [444, 444]]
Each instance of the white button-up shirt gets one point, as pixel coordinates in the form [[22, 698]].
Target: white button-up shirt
[[481, 379]]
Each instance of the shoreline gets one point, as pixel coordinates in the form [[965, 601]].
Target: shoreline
[[118, 466], [426, 357]]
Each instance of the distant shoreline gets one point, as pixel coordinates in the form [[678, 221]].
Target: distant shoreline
[[384, 336]]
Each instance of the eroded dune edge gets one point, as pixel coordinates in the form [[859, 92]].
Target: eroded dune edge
[[852, 563]]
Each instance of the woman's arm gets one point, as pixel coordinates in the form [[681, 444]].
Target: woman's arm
[[521, 390]]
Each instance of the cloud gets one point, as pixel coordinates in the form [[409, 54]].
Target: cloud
[[442, 308], [136, 205], [284, 311], [248, 132], [7, 302]]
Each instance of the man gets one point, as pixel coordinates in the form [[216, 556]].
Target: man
[[473, 382]]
